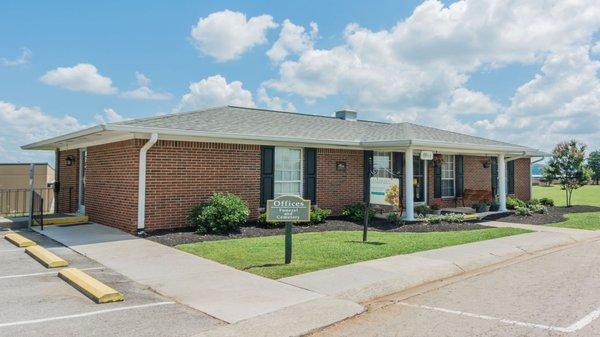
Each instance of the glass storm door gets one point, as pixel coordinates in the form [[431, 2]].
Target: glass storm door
[[418, 179]]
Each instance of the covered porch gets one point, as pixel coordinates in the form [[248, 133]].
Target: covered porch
[[452, 178]]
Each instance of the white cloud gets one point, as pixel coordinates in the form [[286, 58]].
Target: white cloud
[[226, 35], [109, 116], [292, 39], [465, 101], [274, 103], [423, 59], [81, 77], [596, 48], [215, 91], [144, 91], [24, 58], [20, 125], [560, 102], [417, 70]]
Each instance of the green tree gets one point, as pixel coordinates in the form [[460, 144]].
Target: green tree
[[594, 164], [568, 165], [548, 175]]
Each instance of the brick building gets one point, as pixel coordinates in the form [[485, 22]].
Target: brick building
[[146, 174]]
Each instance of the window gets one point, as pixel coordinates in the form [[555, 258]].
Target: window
[[382, 164], [288, 171], [448, 176]]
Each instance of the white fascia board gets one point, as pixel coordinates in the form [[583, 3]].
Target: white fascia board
[[219, 135], [82, 143], [452, 147], [47, 144]]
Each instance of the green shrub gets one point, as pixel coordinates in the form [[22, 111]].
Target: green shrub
[[547, 202], [262, 220], [514, 202], [540, 209], [422, 210], [531, 202], [356, 212], [432, 218], [494, 206], [454, 217], [318, 215], [523, 211], [222, 213], [480, 206], [395, 218]]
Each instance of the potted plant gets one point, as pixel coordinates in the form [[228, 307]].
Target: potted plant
[[481, 206], [436, 207]]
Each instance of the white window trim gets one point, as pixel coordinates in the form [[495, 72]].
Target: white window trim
[[453, 179], [301, 168], [391, 161]]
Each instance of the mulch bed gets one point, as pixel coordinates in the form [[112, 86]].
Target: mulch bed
[[554, 215], [188, 235]]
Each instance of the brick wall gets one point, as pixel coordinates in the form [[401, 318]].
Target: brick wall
[[69, 180], [522, 178], [476, 178], [336, 189], [182, 174], [111, 184]]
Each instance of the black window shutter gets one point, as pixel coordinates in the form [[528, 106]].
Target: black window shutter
[[459, 173], [267, 174], [437, 180], [494, 178], [310, 175], [368, 167], [510, 176], [399, 169]]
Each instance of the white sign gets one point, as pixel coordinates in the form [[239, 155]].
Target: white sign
[[384, 191], [426, 155]]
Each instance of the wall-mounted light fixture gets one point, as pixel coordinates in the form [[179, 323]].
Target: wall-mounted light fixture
[[486, 162], [69, 160]]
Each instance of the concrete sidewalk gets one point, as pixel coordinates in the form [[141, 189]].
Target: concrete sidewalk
[[367, 280], [218, 290]]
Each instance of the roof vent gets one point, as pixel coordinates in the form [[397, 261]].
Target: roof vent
[[345, 114]]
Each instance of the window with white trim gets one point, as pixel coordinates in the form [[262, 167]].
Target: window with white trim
[[382, 164], [288, 171], [448, 176]]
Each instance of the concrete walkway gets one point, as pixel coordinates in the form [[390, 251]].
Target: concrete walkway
[[218, 290], [367, 280]]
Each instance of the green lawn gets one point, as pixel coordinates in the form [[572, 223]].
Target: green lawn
[[589, 221], [314, 251], [586, 195]]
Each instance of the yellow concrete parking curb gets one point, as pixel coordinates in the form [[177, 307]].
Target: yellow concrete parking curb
[[89, 286], [43, 256], [66, 220], [19, 240]]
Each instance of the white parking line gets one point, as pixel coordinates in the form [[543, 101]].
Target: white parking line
[[589, 318], [91, 313], [43, 273], [491, 318]]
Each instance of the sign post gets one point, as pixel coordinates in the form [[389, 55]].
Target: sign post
[[289, 209], [382, 191]]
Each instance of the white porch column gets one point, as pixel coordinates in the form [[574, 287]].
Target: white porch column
[[502, 183], [408, 185]]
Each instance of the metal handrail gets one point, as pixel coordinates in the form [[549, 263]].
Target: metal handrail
[[16, 201]]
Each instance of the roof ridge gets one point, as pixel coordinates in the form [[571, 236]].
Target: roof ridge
[[304, 114]]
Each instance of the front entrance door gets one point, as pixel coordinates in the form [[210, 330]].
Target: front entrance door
[[418, 179], [82, 169]]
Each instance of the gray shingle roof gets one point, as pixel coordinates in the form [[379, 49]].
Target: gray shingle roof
[[269, 123]]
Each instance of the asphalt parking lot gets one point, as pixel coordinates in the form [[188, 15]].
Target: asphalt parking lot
[[556, 294], [35, 302]]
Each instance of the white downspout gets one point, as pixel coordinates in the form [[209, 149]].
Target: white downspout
[[408, 183], [141, 216]]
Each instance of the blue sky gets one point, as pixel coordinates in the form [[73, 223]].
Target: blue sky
[[525, 73]]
